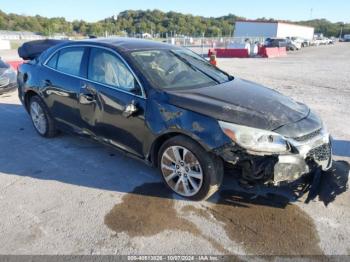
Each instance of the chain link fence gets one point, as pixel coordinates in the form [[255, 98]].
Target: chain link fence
[[201, 45]]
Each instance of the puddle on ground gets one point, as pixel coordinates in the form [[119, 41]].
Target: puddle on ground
[[261, 225], [149, 210], [266, 225]]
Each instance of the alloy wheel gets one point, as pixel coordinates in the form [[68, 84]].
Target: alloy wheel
[[182, 170], [38, 117]]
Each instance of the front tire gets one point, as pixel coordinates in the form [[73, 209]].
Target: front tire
[[41, 118], [188, 170]]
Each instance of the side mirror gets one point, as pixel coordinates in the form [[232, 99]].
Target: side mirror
[[130, 109]]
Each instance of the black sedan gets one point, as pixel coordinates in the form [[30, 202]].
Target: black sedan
[[171, 108], [8, 78]]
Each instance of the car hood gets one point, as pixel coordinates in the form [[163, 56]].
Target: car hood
[[241, 102]]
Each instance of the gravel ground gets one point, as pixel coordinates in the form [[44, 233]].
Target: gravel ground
[[70, 195]]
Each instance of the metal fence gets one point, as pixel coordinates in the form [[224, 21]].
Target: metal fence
[[201, 45]]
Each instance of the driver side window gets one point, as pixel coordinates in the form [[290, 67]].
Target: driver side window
[[106, 68]]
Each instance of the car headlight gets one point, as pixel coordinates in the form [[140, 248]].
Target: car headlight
[[10, 74], [254, 139]]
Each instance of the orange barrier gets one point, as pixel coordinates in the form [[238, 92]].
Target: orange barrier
[[272, 51], [229, 53], [213, 59], [15, 64]]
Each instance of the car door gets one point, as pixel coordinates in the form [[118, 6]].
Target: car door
[[61, 85], [112, 104]]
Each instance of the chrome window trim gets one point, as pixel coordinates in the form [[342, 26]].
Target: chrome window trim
[[86, 79]]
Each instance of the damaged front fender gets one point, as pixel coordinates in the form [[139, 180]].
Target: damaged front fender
[[163, 118]]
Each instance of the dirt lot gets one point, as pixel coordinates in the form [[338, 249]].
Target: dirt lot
[[69, 195]]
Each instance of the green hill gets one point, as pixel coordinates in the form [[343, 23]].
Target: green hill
[[150, 21]]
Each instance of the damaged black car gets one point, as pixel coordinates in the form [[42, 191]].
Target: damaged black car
[[171, 108], [7, 78]]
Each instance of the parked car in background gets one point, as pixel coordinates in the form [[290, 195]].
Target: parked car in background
[[323, 41], [288, 43], [306, 43], [8, 77], [326, 41], [276, 42], [294, 43], [171, 108], [296, 39], [319, 41]]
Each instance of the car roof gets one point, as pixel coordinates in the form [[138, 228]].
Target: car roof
[[126, 44], [120, 44]]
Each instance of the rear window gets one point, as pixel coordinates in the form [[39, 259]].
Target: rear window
[[67, 60], [53, 61]]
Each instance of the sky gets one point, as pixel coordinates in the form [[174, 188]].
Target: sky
[[94, 10]]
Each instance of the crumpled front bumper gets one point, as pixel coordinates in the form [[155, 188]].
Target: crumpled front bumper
[[309, 152]]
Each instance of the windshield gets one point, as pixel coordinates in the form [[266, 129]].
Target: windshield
[[172, 69]]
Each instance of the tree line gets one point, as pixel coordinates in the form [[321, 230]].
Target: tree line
[[154, 22]]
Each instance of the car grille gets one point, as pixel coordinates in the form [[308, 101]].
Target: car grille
[[321, 153], [308, 136], [4, 81]]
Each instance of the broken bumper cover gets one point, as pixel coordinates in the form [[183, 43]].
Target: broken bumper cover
[[307, 153], [317, 154]]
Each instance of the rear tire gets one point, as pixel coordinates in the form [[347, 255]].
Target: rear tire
[[188, 170], [41, 118]]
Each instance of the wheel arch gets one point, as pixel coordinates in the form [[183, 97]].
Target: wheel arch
[[161, 139], [27, 96]]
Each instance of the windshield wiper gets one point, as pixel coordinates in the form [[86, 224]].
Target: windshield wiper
[[229, 77], [194, 67]]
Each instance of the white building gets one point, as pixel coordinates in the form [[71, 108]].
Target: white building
[[247, 28], [59, 36], [19, 35]]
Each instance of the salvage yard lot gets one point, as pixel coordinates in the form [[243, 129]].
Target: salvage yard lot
[[70, 195]]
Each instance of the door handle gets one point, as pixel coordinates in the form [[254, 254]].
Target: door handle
[[88, 89]]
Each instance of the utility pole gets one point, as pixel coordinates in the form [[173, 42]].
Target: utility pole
[[311, 11], [341, 32], [203, 44]]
